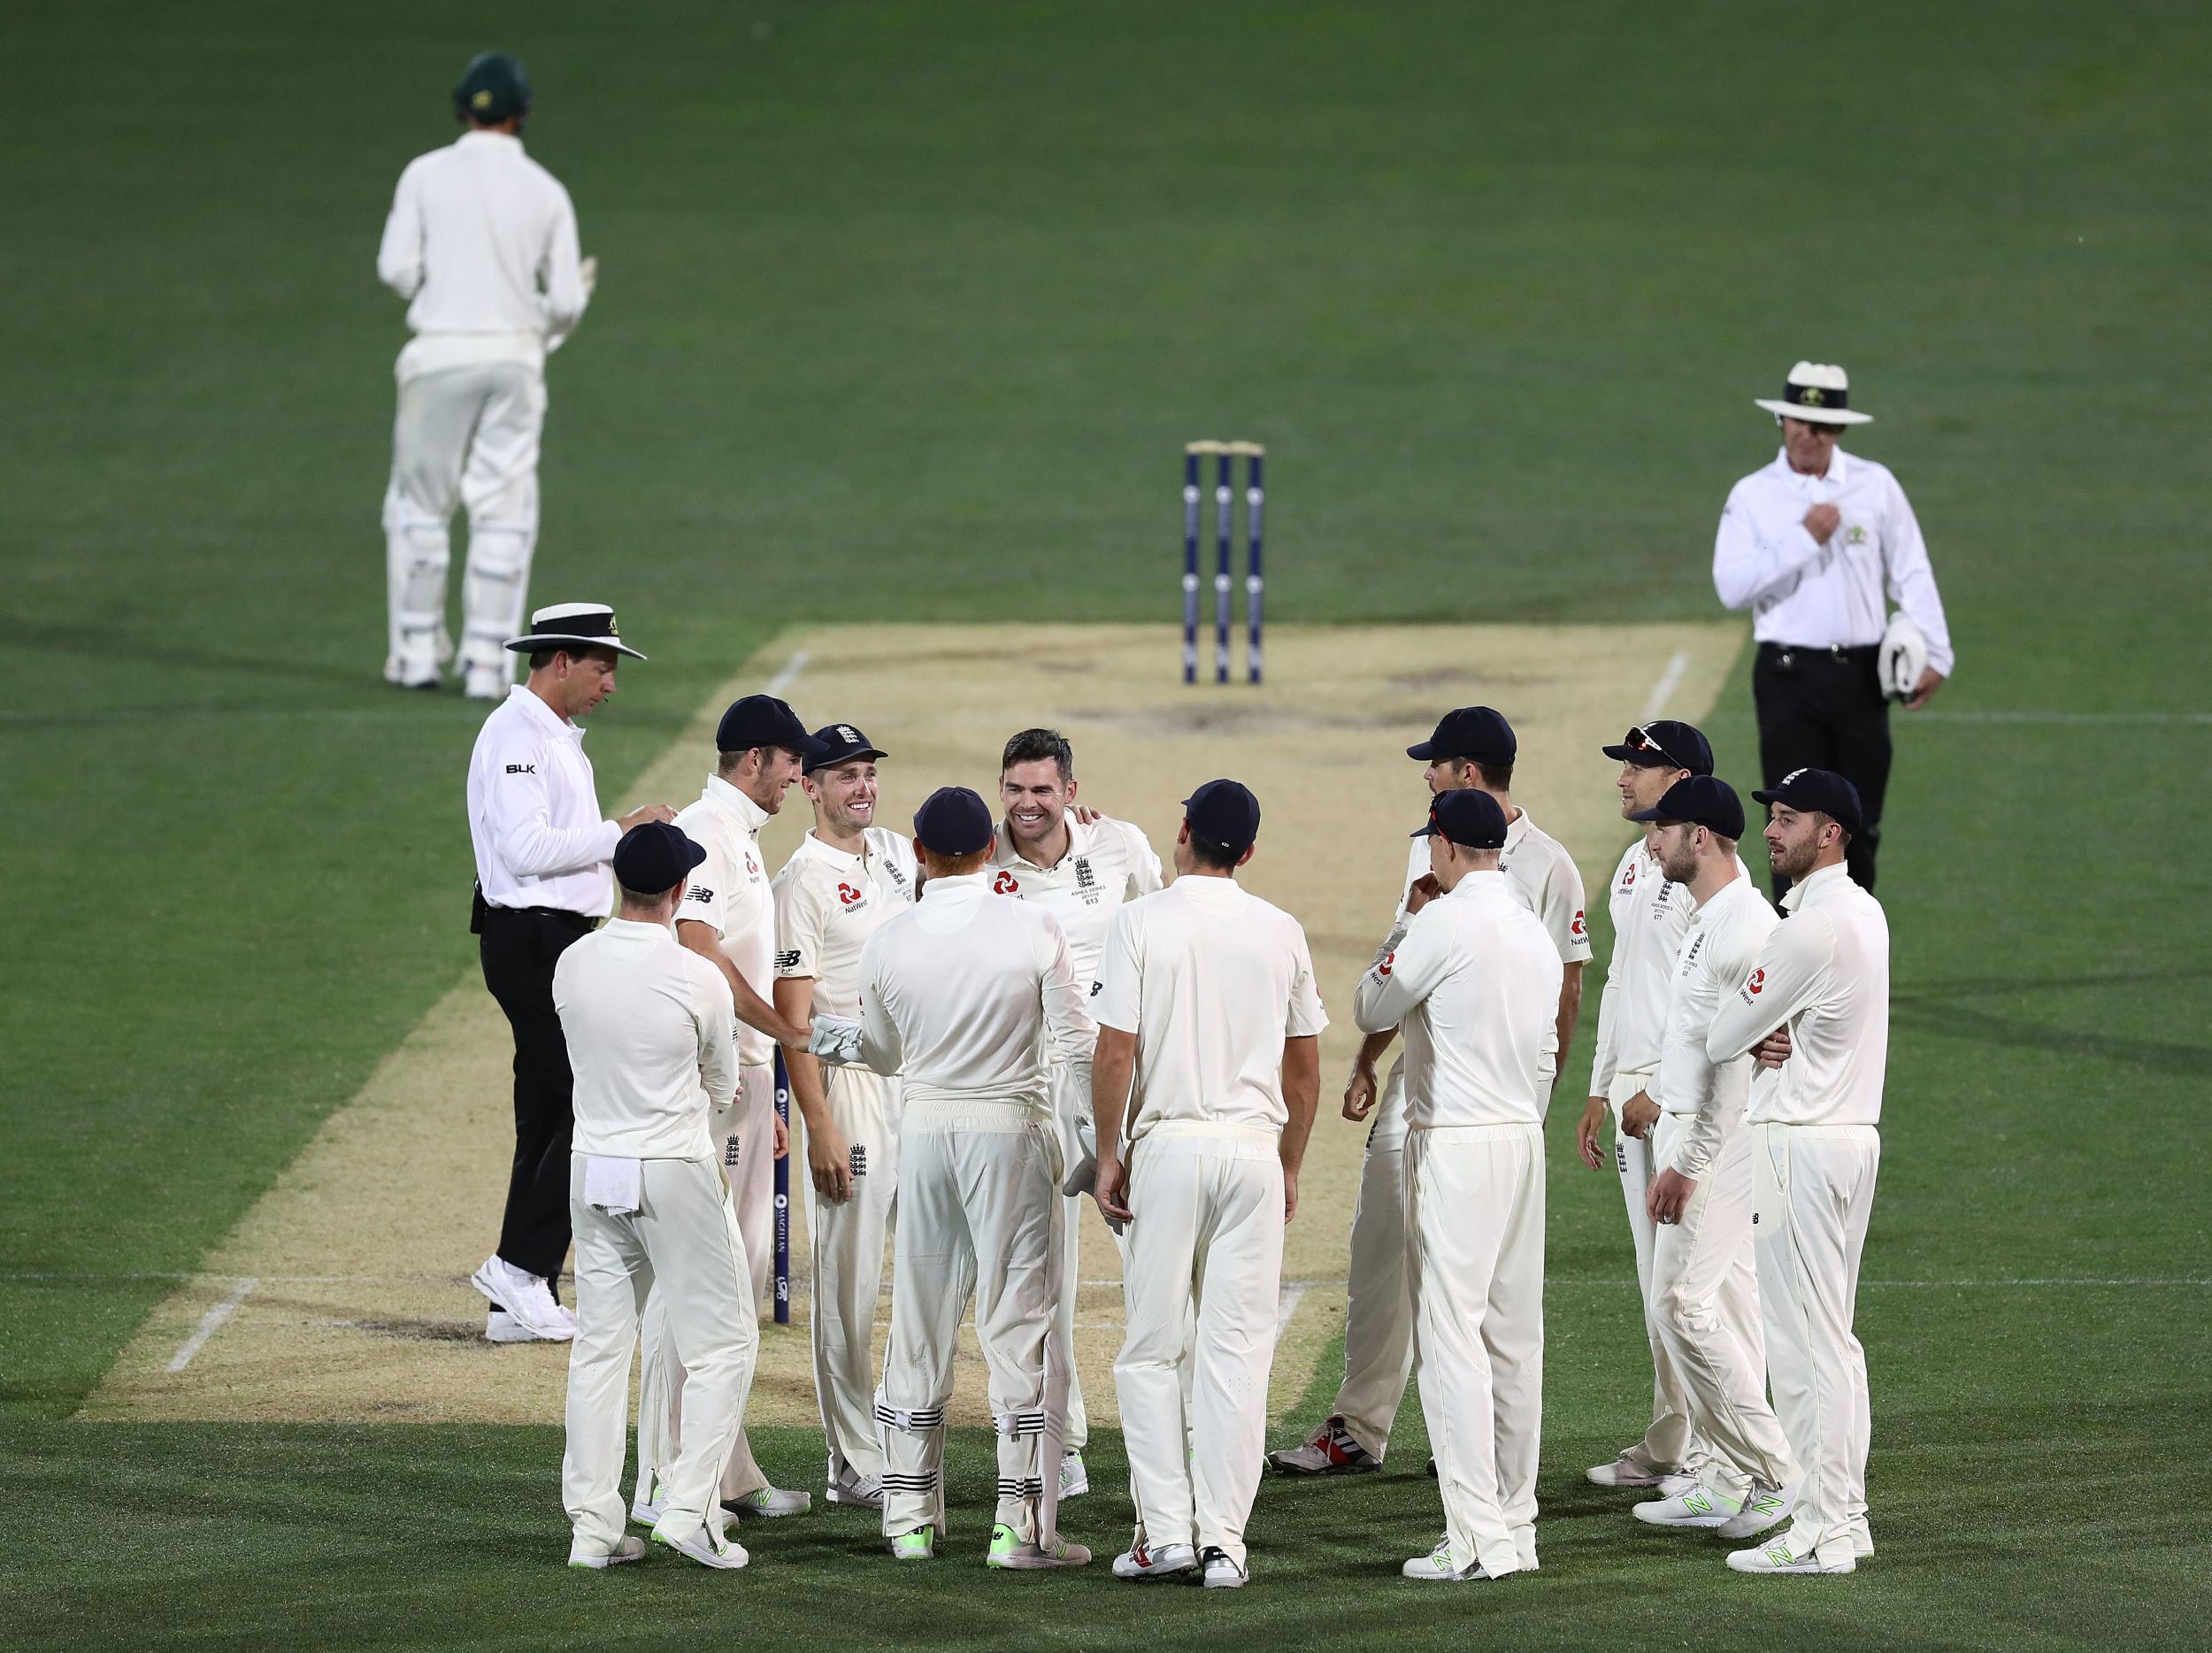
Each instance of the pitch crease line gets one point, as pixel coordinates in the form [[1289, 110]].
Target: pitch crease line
[[210, 1323], [1670, 679], [789, 674]]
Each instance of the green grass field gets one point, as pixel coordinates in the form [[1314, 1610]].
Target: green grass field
[[905, 313]]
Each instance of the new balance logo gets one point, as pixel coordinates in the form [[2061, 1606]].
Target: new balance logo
[[699, 893], [787, 960]]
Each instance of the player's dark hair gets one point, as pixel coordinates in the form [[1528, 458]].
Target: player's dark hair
[[1218, 857], [645, 897], [1034, 746], [540, 658], [1497, 777]]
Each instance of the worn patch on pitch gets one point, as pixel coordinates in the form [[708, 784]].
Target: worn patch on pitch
[[343, 1294]]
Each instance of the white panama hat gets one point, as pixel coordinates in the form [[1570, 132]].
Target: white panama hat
[[1818, 393], [572, 624]]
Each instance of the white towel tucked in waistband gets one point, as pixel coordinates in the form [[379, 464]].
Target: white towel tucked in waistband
[[616, 1187]]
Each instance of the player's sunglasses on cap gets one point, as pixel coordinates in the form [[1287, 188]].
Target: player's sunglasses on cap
[[1664, 744]]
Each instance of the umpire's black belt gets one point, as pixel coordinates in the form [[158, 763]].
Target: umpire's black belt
[[1786, 655], [481, 913]]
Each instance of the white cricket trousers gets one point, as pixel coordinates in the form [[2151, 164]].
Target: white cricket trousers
[[1378, 1295], [1670, 1445], [1475, 1214], [847, 1245], [979, 1211], [683, 1242], [745, 1135], [1706, 1284], [1206, 1238], [462, 436], [1813, 1193]]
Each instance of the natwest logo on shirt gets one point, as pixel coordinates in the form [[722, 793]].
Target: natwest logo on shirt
[[846, 894], [1752, 987], [1006, 884], [1577, 929], [1383, 969]]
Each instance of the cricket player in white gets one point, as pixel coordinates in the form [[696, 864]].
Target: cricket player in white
[[727, 917], [1207, 998], [1704, 1277], [1823, 978], [844, 880], [1079, 868], [483, 240], [648, 1032], [1650, 917], [966, 996], [1474, 979], [1472, 747]]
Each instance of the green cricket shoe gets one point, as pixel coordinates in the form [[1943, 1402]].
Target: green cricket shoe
[[915, 1546], [1009, 1551]]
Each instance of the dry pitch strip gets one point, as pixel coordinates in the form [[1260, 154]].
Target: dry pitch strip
[[342, 1294]]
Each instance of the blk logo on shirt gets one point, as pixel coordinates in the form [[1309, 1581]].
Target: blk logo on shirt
[[1007, 884], [522, 769]]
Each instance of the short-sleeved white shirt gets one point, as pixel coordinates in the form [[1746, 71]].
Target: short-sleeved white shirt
[[1108, 862], [1541, 875], [828, 904], [730, 891], [1212, 980]]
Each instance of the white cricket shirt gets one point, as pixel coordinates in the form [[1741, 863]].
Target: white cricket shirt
[[1108, 862], [1825, 970], [828, 904], [1212, 980], [648, 1026], [1719, 950], [1474, 979], [730, 891], [482, 239], [1540, 871], [1802, 591], [533, 811], [1650, 917], [968, 995]]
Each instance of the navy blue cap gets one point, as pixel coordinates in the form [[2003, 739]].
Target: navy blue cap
[[492, 88], [840, 743], [654, 856], [1665, 744], [1474, 733], [763, 720], [1468, 817], [953, 821], [1822, 789], [1223, 812], [1701, 801]]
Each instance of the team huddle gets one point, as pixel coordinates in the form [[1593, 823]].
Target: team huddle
[[1005, 1013]]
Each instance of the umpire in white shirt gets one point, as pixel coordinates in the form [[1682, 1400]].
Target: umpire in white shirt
[[483, 240], [1207, 1001], [967, 996], [541, 881], [1821, 980], [648, 1032], [1811, 544], [1473, 980]]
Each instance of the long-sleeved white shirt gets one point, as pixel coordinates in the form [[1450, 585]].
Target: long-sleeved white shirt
[[482, 239], [1722, 945], [1473, 980], [1108, 862], [1825, 970], [648, 1026], [1801, 590], [1649, 918], [1212, 980], [730, 893], [968, 995], [533, 811]]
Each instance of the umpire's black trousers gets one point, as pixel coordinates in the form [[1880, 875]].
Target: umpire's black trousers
[[1823, 708], [518, 948]]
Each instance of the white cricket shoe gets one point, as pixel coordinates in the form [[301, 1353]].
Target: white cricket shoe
[[771, 1503], [502, 1327], [1441, 1566], [703, 1547], [627, 1548], [1329, 1450], [1141, 1562], [525, 1298], [862, 1491], [918, 1545], [1787, 1554], [1074, 1480], [647, 1511], [1701, 1506], [1006, 1550], [1223, 1573], [1626, 1471], [1764, 1508]]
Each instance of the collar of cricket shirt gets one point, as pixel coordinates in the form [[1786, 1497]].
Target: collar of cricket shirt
[[1003, 852], [1839, 470], [481, 138], [957, 884], [843, 859], [1812, 884], [534, 708], [749, 814]]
